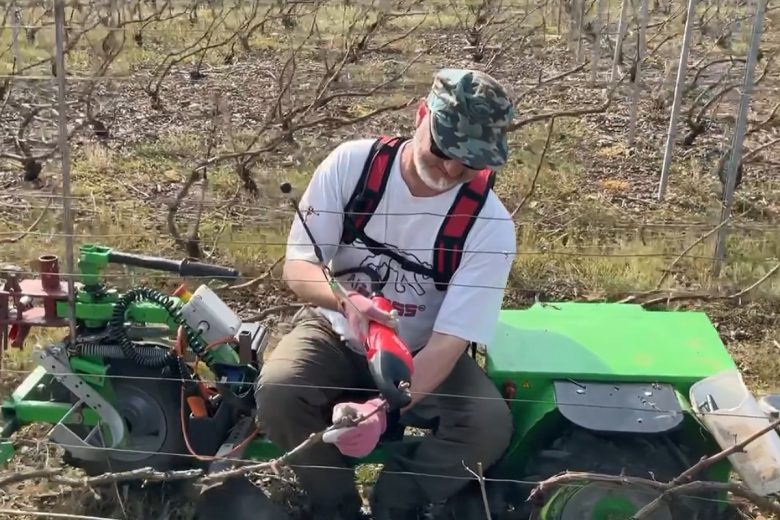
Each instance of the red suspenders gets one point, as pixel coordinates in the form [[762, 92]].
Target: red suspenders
[[450, 240]]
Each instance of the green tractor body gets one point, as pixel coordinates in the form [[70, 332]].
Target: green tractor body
[[593, 387], [603, 366]]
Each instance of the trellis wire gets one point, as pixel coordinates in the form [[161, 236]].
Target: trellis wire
[[576, 18]]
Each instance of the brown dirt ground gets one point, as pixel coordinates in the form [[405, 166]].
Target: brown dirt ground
[[594, 193]]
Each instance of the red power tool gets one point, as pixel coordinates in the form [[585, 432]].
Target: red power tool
[[389, 359]]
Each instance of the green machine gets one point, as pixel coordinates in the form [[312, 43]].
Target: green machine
[[603, 388]]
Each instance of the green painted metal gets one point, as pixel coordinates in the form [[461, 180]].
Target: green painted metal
[[99, 313], [95, 306], [30, 384], [614, 508], [533, 348], [92, 370], [91, 262], [594, 342], [28, 412], [29, 404], [602, 341], [6, 451], [262, 449]]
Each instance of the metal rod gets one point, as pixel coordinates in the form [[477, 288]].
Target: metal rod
[[640, 56], [682, 69], [16, 16], [580, 21], [598, 27], [739, 135], [619, 42], [59, 55]]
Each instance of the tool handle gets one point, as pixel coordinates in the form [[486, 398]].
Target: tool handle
[[182, 267], [193, 268], [389, 359], [144, 261]]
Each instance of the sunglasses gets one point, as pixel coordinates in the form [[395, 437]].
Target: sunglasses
[[438, 152]]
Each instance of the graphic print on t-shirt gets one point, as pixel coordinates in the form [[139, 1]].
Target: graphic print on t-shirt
[[383, 271]]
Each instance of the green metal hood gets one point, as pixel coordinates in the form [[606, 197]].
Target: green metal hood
[[605, 341]]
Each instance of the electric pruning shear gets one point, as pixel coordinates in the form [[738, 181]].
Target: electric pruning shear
[[389, 358]]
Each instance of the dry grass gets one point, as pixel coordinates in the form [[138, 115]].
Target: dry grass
[[591, 228]]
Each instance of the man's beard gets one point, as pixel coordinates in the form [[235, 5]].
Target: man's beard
[[428, 178]]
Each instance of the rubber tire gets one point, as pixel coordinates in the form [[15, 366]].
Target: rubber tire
[[644, 456], [168, 397], [577, 449]]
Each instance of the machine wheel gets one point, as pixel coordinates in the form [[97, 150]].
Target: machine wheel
[[150, 407], [654, 457], [576, 449]]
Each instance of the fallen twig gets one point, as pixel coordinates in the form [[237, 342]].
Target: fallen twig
[[55, 476], [480, 476], [43, 514], [683, 479], [29, 230], [670, 296], [538, 169], [150, 475], [347, 421], [571, 477]]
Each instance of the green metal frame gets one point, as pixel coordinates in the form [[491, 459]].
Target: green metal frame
[[600, 342], [533, 348]]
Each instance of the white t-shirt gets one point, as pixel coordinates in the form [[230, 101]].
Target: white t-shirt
[[468, 309]]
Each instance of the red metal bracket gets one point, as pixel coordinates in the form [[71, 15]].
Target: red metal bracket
[[18, 298]]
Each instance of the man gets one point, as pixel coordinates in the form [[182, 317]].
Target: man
[[460, 132]]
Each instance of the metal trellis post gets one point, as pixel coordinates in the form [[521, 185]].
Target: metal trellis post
[[682, 69], [739, 134], [59, 56]]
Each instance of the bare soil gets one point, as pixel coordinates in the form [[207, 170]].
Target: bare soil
[[592, 227]]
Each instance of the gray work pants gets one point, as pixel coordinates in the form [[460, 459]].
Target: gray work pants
[[310, 369]]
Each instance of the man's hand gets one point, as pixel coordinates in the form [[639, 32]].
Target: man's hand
[[360, 311], [359, 440]]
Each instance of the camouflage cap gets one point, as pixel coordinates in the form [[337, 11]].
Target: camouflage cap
[[470, 112]]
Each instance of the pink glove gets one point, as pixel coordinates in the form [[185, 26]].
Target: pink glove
[[360, 440], [359, 311]]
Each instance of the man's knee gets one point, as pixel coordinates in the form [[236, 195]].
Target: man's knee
[[477, 416], [284, 387], [276, 396], [476, 413], [300, 379]]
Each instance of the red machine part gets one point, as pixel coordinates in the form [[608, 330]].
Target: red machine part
[[18, 298]]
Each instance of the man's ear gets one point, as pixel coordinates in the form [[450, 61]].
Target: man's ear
[[422, 111]]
